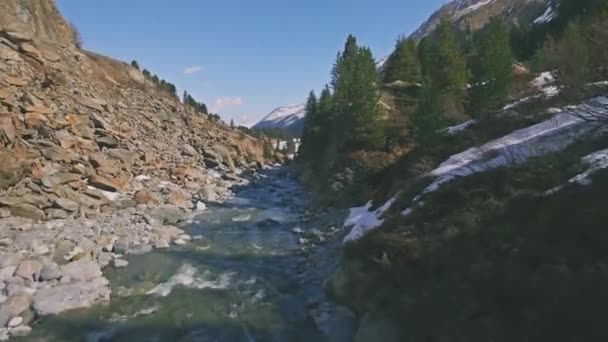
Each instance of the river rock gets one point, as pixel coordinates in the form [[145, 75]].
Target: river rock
[[50, 271], [121, 246], [56, 299], [20, 331], [119, 263], [15, 321], [169, 214], [7, 272], [81, 270], [13, 306], [29, 269], [139, 250]]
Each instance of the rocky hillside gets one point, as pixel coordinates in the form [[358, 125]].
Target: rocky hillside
[[474, 14], [78, 130], [96, 161]]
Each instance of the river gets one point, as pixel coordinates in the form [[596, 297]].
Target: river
[[254, 271]]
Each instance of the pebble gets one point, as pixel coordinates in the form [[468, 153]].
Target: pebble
[[15, 321]]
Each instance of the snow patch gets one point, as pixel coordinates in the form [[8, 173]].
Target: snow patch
[[594, 162], [461, 13], [549, 136], [363, 220], [547, 16], [453, 130]]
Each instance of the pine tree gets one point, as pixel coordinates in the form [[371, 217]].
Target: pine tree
[[403, 64], [356, 96], [135, 64], [447, 68], [493, 69], [204, 108], [424, 56], [428, 119], [573, 57], [232, 123], [309, 130]]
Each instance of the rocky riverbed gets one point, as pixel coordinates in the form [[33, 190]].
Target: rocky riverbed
[[250, 268]]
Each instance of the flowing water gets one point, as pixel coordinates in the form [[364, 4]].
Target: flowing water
[[248, 275]]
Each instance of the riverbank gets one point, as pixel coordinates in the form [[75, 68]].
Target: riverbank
[[47, 268]]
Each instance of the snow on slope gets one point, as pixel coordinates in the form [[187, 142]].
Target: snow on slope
[[461, 12], [547, 16], [288, 117], [551, 135]]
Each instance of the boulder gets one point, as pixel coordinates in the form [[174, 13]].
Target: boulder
[[27, 210], [14, 306], [146, 197], [189, 151], [64, 297], [105, 183], [29, 269], [81, 270], [66, 204]]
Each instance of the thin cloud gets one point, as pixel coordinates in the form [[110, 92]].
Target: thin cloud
[[224, 102], [205, 84], [193, 69]]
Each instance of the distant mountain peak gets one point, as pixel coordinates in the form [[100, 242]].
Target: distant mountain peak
[[290, 117]]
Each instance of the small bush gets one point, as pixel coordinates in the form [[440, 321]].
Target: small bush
[[76, 36]]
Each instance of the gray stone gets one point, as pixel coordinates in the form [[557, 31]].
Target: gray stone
[[21, 331], [29, 269], [50, 271], [121, 246], [28, 316], [14, 306], [209, 193], [7, 272], [81, 270], [188, 150], [57, 214], [66, 204], [139, 250], [15, 321], [57, 299], [169, 214], [119, 263]]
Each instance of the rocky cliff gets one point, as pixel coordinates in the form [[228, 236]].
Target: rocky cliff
[[80, 131]]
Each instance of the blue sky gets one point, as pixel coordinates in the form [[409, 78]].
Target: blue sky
[[243, 58]]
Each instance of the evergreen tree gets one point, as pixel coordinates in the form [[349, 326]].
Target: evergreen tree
[[146, 73], [428, 118], [356, 96], [492, 70], [135, 64], [403, 64], [424, 56], [185, 97], [309, 130], [447, 68], [204, 108], [232, 123], [573, 57]]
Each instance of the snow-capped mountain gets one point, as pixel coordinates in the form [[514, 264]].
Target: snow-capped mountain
[[474, 14], [290, 118]]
